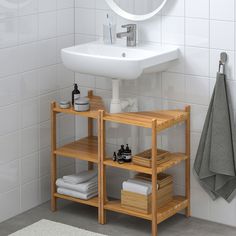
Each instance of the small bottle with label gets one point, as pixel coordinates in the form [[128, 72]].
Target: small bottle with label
[[75, 94], [127, 154]]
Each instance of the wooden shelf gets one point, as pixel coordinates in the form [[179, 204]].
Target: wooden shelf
[[177, 204], [175, 159], [91, 202], [84, 149], [165, 119], [96, 104]]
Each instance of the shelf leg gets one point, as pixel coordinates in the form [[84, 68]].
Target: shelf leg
[[154, 178], [102, 197], [90, 134], [53, 158], [187, 162]]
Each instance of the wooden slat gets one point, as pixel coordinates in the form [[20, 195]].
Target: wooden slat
[[103, 194], [90, 202], [84, 149], [116, 206], [177, 204], [53, 157], [154, 177], [175, 158], [164, 119], [187, 162]]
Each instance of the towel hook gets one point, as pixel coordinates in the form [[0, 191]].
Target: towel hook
[[222, 62]]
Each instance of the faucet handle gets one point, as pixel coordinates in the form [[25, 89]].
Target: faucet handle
[[130, 27]]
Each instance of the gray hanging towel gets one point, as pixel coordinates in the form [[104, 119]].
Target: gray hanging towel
[[215, 163]]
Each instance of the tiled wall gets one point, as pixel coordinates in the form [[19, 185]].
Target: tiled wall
[[31, 76], [201, 29]]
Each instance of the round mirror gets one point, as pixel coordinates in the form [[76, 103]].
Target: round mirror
[[136, 10]]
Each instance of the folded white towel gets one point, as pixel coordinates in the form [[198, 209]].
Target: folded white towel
[[71, 193], [82, 187], [142, 182], [136, 188], [80, 177]]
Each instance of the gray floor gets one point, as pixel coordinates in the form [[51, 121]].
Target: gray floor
[[85, 217]]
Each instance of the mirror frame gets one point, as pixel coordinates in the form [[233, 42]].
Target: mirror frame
[[119, 11]]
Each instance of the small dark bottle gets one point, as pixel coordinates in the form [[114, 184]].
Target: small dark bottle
[[75, 94], [114, 157], [127, 156]]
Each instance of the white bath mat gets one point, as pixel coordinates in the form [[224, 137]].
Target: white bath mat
[[50, 228]]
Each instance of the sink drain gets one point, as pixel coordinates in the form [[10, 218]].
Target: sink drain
[[123, 54]]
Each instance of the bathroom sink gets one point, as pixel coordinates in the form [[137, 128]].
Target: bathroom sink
[[118, 61]]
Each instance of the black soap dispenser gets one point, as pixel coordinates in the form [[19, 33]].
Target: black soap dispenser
[[75, 94]]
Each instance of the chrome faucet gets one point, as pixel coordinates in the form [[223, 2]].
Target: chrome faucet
[[130, 34]]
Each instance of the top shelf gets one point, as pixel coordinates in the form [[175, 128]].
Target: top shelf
[[164, 119], [96, 104]]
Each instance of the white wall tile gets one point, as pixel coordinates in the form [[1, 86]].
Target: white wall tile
[[48, 79], [173, 86], [9, 176], [30, 168], [10, 147], [45, 134], [199, 9], [85, 3], [173, 30], [174, 8], [29, 140], [9, 118], [9, 32], [222, 35], [65, 4], [44, 162], [28, 28], [222, 10], [28, 54], [65, 22], [197, 90], [9, 61], [197, 61], [47, 25], [197, 32], [47, 52], [30, 112], [30, 8], [10, 90], [45, 5], [84, 21], [30, 195], [10, 204], [29, 84]]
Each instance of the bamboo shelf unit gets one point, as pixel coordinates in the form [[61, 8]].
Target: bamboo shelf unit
[[157, 122], [86, 149], [92, 149]]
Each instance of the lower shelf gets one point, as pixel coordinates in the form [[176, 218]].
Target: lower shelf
[[177, 204], [91, 202]]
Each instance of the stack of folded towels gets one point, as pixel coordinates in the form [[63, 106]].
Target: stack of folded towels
[[139, 186], [83, 185]]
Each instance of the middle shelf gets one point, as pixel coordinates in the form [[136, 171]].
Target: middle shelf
[[84, 149], [174, 159], [87, 149]]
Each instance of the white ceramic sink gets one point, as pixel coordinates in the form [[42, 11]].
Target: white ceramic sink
[[117, 61]]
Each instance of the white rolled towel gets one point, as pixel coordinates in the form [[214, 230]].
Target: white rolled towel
[[136, 188], [80, 177], [82, 187], [75, 194]]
